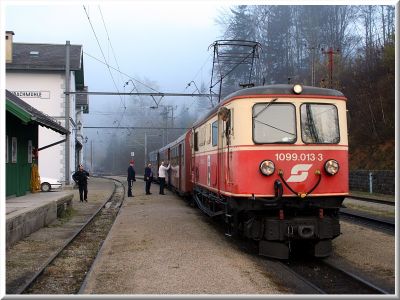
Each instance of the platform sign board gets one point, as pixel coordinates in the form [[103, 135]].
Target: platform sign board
[[132, 154]]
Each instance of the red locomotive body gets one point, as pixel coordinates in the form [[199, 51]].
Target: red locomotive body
[[273, 162]]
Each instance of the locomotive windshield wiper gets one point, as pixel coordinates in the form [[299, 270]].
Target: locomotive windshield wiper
[[311, 125], [266, 106], [275, 127]]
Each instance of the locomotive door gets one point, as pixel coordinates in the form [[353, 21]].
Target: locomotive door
[[223, 114], [180, 167], [169, 182]]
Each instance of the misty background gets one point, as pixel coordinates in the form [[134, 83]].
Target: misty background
[[164, 47]]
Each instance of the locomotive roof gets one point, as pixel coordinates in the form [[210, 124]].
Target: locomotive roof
[[275, 89], [283, 89]]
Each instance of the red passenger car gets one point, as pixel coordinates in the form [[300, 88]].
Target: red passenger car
[[271, 160]]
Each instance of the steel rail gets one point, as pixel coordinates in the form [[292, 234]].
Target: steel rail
[[69, 241], [358, 278], [376, 220], [333, 279], [372, 200]]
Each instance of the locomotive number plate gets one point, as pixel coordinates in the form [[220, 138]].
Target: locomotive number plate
[[299, 157]]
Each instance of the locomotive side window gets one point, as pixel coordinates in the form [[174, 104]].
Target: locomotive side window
[[319, 123], [215, 133], [274, 123]]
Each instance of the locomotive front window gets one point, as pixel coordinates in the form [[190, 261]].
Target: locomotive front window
[[274, 123], [319, 124]]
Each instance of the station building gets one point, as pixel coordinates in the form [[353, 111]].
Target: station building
[[36, 73], [22, 127]]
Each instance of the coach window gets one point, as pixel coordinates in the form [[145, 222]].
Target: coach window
[[319, 123], [274, 123], [196, 141], [215, 133]]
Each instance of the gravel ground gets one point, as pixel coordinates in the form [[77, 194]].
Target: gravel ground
[[160, 245], [148, 253], [28, 255]]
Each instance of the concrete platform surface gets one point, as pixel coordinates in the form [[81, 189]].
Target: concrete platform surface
[[18, 205], [160, 245]]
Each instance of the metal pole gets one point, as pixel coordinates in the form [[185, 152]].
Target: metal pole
[[145, 149], [166, 124], [370, 182], [91, 156], [313, 67], [67, 112], [331, 67]]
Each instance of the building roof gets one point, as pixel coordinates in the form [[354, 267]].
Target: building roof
[[48, 57], [27, 113]]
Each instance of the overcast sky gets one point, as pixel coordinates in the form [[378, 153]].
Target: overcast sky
[[163, 42]]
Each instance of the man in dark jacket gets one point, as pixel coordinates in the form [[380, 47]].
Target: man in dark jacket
[[81, 177], [131, 178], [148, 178]]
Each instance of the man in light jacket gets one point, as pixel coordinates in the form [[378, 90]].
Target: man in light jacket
[[162, 174]]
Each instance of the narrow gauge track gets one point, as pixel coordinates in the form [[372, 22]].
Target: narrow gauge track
[[326, 278], [303, 273], [66, 270], [371, 200], [386, 225]]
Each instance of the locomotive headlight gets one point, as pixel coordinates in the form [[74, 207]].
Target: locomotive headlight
[[267, 167], [297, 88], [331, 167]]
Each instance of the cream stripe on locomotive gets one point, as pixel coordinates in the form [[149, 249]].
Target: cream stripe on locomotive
[[278, 147], [263, 195]]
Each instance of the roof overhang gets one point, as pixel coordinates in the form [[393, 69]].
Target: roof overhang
[[27, 114]]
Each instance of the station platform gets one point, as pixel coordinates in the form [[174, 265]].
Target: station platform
[[27, 214]]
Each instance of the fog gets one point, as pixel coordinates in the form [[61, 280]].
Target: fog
[[141, 47], [163, 45]]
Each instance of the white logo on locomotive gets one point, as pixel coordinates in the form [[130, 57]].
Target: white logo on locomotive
[[299, 173]]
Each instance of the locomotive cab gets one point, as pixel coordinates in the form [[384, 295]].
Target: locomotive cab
[[273, 161]]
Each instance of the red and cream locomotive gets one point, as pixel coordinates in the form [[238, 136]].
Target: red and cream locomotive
[[273, 161]]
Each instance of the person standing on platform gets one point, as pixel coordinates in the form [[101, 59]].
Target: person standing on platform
[[162, 174], [131, 178], [148, 178], [81, 178]]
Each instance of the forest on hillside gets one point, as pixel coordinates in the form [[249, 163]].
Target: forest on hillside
[[295, 41]]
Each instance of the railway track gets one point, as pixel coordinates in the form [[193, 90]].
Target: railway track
[[66, 270], [326, 278], [371, 200], [386, 225], [308, 275]]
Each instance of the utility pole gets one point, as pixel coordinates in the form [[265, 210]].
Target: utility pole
[[330, 52], [67, 113], [145, 148], [312, 66], [91, 156]]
